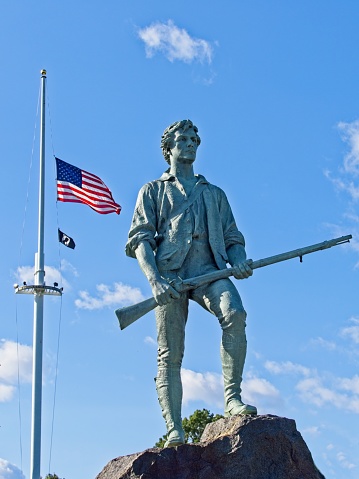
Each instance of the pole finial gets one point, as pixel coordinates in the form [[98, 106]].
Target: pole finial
[[43, 73]]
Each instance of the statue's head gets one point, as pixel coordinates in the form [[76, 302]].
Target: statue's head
[[169, 133]]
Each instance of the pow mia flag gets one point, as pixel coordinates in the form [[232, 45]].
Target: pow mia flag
[[66, 240]]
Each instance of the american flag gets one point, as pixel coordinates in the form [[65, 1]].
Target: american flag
[[80, 186]]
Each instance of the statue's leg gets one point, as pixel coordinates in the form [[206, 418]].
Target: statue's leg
[[222, 299], [171, 321]]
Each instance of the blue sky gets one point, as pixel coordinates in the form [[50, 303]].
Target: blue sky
[[273, 89]]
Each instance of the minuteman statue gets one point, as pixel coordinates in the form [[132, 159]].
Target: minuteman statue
[[183, 227]]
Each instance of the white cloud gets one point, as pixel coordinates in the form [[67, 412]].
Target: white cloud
[[350, 134], [150, 340], [14, 360], [312, 431], [259, 387], [350, 384], [344, 184], [323, 389], [67, 266], [120, 295], [175, 43], [346, 179], [261, 393], [9, 471], [6, 392], [313, 390], [52, 274], [352, 331], [286, 367], [206, 387], [329, 345], [350, 168], [344, 461]]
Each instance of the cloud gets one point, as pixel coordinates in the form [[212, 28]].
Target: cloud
[[286, 367], [343, 461], [206, 387], [259, 387], [350, 134], [9, 471], [149, 340], [67, 266], [346, 180], [175, 43], [120, 295], [15, 361], [313, 390], [6, 392], [344, 184], [313, 431], [52, 274], [342, 393], [325, 344], [352, 331], [350, 384]]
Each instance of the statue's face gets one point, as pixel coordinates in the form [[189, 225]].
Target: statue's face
[[185, 146]]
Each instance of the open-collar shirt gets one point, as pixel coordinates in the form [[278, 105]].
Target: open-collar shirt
[[170, 220]]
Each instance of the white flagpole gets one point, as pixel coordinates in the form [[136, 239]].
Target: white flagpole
[[38, 305], [39, 289]]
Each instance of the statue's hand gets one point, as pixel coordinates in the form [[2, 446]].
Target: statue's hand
[[163, 292], [243, 270]]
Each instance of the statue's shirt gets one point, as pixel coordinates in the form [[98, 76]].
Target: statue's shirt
[[171, 222]]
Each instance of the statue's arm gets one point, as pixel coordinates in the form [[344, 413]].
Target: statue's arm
[[162, 291]]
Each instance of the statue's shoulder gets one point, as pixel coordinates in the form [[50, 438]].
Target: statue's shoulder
[[151, 185], [216, 190]]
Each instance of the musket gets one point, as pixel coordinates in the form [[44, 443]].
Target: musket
[[130, 314]]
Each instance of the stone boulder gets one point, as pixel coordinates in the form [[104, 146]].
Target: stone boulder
[[239, 447]]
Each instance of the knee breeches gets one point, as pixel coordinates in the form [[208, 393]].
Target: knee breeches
[[220, 298]]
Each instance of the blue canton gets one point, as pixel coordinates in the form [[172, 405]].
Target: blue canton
[[70, 173]]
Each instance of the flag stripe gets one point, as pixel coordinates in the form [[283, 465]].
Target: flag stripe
[[100, 206], [73, 191], [80, 186], [91, 193]]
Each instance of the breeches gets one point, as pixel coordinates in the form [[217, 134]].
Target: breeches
[[220, 298]]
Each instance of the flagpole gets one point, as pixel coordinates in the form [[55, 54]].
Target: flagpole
[[38, 305], [39, 289]]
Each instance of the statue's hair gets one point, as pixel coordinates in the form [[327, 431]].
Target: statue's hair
[[169, 133]]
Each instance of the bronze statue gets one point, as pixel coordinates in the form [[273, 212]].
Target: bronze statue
[[183, 227]]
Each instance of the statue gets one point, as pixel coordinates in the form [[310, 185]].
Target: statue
[[183, 227]]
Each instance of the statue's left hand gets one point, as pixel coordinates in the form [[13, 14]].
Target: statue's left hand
[[243, 270]]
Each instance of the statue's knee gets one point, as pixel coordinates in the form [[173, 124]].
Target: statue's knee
[[234, 320], [170, 359]]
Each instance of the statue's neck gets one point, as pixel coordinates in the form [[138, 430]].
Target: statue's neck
[[183, 172]]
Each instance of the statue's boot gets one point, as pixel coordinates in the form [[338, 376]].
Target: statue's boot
[[233, 354], [169, 391]]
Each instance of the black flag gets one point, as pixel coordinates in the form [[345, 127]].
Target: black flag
[[66, 240]]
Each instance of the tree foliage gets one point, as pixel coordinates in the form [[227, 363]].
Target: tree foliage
[[193, 426]]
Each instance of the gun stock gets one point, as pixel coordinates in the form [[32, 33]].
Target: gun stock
[[130, 314]]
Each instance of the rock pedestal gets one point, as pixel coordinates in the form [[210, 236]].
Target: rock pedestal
[[239, 447]]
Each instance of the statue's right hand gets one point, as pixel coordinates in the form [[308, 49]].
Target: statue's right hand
[[163, 292]]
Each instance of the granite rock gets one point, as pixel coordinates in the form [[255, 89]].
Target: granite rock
[[259, 447]]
